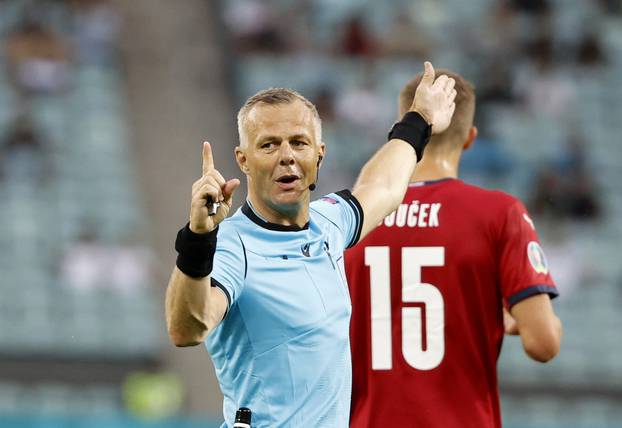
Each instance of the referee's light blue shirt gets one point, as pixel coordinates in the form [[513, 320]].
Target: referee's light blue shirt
[[283, 348]]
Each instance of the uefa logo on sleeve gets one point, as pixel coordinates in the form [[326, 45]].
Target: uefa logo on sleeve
[[537, 258]]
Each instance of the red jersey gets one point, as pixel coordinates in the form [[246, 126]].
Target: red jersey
[[427, 288]]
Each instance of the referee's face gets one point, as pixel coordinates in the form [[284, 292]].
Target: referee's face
[[280, 158]]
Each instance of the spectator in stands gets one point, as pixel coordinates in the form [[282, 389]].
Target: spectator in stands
[[97, 26], [364, 105], [253, 26], [90, 264], [543, 86], [38, 59], [582, 204], [568, 259], [404, 39], [532, 6], [325, 103], [613, 7], [22, 152], [590, 52], [548, 195], [495, 84], [565, 197], [357, 40]]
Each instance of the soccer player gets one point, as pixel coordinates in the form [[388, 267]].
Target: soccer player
[[428, 290], [265, 288]]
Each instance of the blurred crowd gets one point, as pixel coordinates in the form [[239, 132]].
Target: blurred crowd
[[39, 59], [44, 44], [521, 56]]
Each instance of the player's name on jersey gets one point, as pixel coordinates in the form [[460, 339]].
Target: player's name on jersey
[[414, 214]]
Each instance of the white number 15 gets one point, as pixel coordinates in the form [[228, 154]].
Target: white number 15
[[423, 318]]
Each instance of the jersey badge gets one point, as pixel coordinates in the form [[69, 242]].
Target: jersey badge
[[537, 258], [329, 200], [305, 249]]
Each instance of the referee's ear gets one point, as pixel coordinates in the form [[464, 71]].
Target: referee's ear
[[240, 158], [321, 154]]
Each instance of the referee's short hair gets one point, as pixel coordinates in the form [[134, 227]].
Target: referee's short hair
[[276, 96], [462, 121]]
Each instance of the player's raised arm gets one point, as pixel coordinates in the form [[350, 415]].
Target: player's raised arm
[[193, 307], [384, 179]]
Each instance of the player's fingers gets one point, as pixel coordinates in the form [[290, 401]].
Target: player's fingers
[[208, 159], [229, 188], [428, 74]]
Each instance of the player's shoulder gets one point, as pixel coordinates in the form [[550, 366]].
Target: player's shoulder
[[490, 199], [332, 203]]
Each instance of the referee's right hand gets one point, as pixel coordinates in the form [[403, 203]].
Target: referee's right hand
[[211, 187]]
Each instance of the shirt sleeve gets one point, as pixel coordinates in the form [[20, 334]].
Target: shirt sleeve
[[229, 269], [524, 270], [345, 212]]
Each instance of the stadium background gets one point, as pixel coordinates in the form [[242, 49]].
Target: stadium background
[[104, 104]]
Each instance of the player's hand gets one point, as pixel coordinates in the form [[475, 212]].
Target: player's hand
[[509, 323], [210, 188], [434, 99]]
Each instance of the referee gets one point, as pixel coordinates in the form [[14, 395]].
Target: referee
[[265, 288]]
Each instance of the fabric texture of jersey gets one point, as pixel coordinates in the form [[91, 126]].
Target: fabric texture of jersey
[[283, 347], [442, 266]]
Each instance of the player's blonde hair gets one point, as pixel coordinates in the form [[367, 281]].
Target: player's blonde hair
[[462, 120], [275, 96]]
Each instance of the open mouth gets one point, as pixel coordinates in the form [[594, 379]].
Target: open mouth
[[288, 181]]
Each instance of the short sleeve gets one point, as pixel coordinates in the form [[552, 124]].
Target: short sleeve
[[345, 212], [524, 270], [230, 262]]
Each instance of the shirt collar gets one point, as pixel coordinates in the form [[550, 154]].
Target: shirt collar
[[250, 212]]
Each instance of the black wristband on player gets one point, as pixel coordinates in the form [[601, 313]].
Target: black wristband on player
[[195, 251], [414, 130]]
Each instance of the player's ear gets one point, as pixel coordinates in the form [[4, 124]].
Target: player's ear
[[470, 139], [240, 158]]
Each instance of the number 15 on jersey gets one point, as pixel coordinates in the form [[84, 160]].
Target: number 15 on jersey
[[423, 307]]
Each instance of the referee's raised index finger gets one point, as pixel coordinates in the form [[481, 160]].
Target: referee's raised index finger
[[208, 159]]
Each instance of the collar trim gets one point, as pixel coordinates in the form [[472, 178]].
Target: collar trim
[[252, 215], [426, 183]]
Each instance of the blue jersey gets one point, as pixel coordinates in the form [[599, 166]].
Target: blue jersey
[[283, 347]]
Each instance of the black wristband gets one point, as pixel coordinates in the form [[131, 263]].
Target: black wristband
[[195, 251], [414, 130]]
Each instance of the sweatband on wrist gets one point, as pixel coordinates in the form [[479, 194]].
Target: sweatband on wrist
[[195, 252], [414, 130]]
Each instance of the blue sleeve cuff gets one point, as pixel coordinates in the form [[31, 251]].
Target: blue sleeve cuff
[[532, 291], [354, 204], [215, 283]]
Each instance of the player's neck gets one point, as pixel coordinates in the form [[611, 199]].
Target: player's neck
[[435, 166], [294, 216]]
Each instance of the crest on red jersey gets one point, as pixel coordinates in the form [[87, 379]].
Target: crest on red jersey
[[536, 256]]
